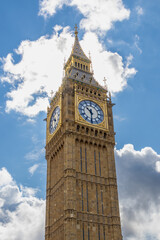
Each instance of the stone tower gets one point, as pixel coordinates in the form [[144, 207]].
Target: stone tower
[[82, 199]]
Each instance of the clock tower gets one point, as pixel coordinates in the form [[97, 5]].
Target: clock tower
[[82, 198]]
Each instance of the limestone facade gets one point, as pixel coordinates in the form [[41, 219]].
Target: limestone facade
[[81, 197]]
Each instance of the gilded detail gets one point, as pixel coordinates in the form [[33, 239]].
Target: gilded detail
[[102, 104], [58, 103]]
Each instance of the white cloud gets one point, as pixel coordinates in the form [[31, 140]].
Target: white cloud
[[48, 7], [35, 154], [136, 43], [31, 120], [139, 192], [139, 10], [33, 168], [108, 64], [22, 215], [5, 177], [158, 166], [41, 67], [119, 118], [98, 14], [38, 72]]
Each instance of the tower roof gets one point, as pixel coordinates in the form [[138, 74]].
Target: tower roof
[[77, 50], [78, 65]]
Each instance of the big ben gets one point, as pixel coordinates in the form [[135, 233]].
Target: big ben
[[81, 196]]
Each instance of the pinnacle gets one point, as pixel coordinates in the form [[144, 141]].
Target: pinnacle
[[77, 50]]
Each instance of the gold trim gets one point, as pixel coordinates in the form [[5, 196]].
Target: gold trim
[[103, 105], [58, 104]]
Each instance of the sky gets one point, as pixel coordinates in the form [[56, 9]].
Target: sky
[[36, 38]]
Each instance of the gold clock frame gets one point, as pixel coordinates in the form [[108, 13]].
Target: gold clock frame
[[103, 105], [57, 104]]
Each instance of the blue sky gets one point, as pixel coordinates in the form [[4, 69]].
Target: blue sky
[[123, 38]]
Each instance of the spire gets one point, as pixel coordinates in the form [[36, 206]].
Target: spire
[[78, 65], [76, 30], [77, 50]]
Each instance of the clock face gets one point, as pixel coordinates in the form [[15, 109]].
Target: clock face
[[54, 120], [91, 111]]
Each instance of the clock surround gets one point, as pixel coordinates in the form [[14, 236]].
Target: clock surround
[[54, 119]]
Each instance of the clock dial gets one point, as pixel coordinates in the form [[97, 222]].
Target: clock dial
[[91, 111], [54, 120]]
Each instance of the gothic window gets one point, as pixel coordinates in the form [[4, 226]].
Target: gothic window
[[78, 65], [99, 165], [82, 195], [86, 159], [81, 157], [102, 201], [87, 197], [75, 64], [97, 200], [83, 231], [83, 67], [104, 234], [88, 233], [87, 68], [99, 233], [95, 163]]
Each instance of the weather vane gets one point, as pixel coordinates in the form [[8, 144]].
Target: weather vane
[[76, 30]]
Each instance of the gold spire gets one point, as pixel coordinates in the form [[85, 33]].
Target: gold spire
[[76, 30], [77, 59]]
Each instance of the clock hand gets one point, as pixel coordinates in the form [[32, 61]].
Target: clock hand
[[88, 109], [54, 121]]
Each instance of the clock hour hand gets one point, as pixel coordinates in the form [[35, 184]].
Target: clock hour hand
[[91, 115], [88, 109]]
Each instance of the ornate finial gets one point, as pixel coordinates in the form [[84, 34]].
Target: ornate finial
[[105, 83], [64, 67], [76, 30], [51, 93], [91, 63], [110, 96]]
